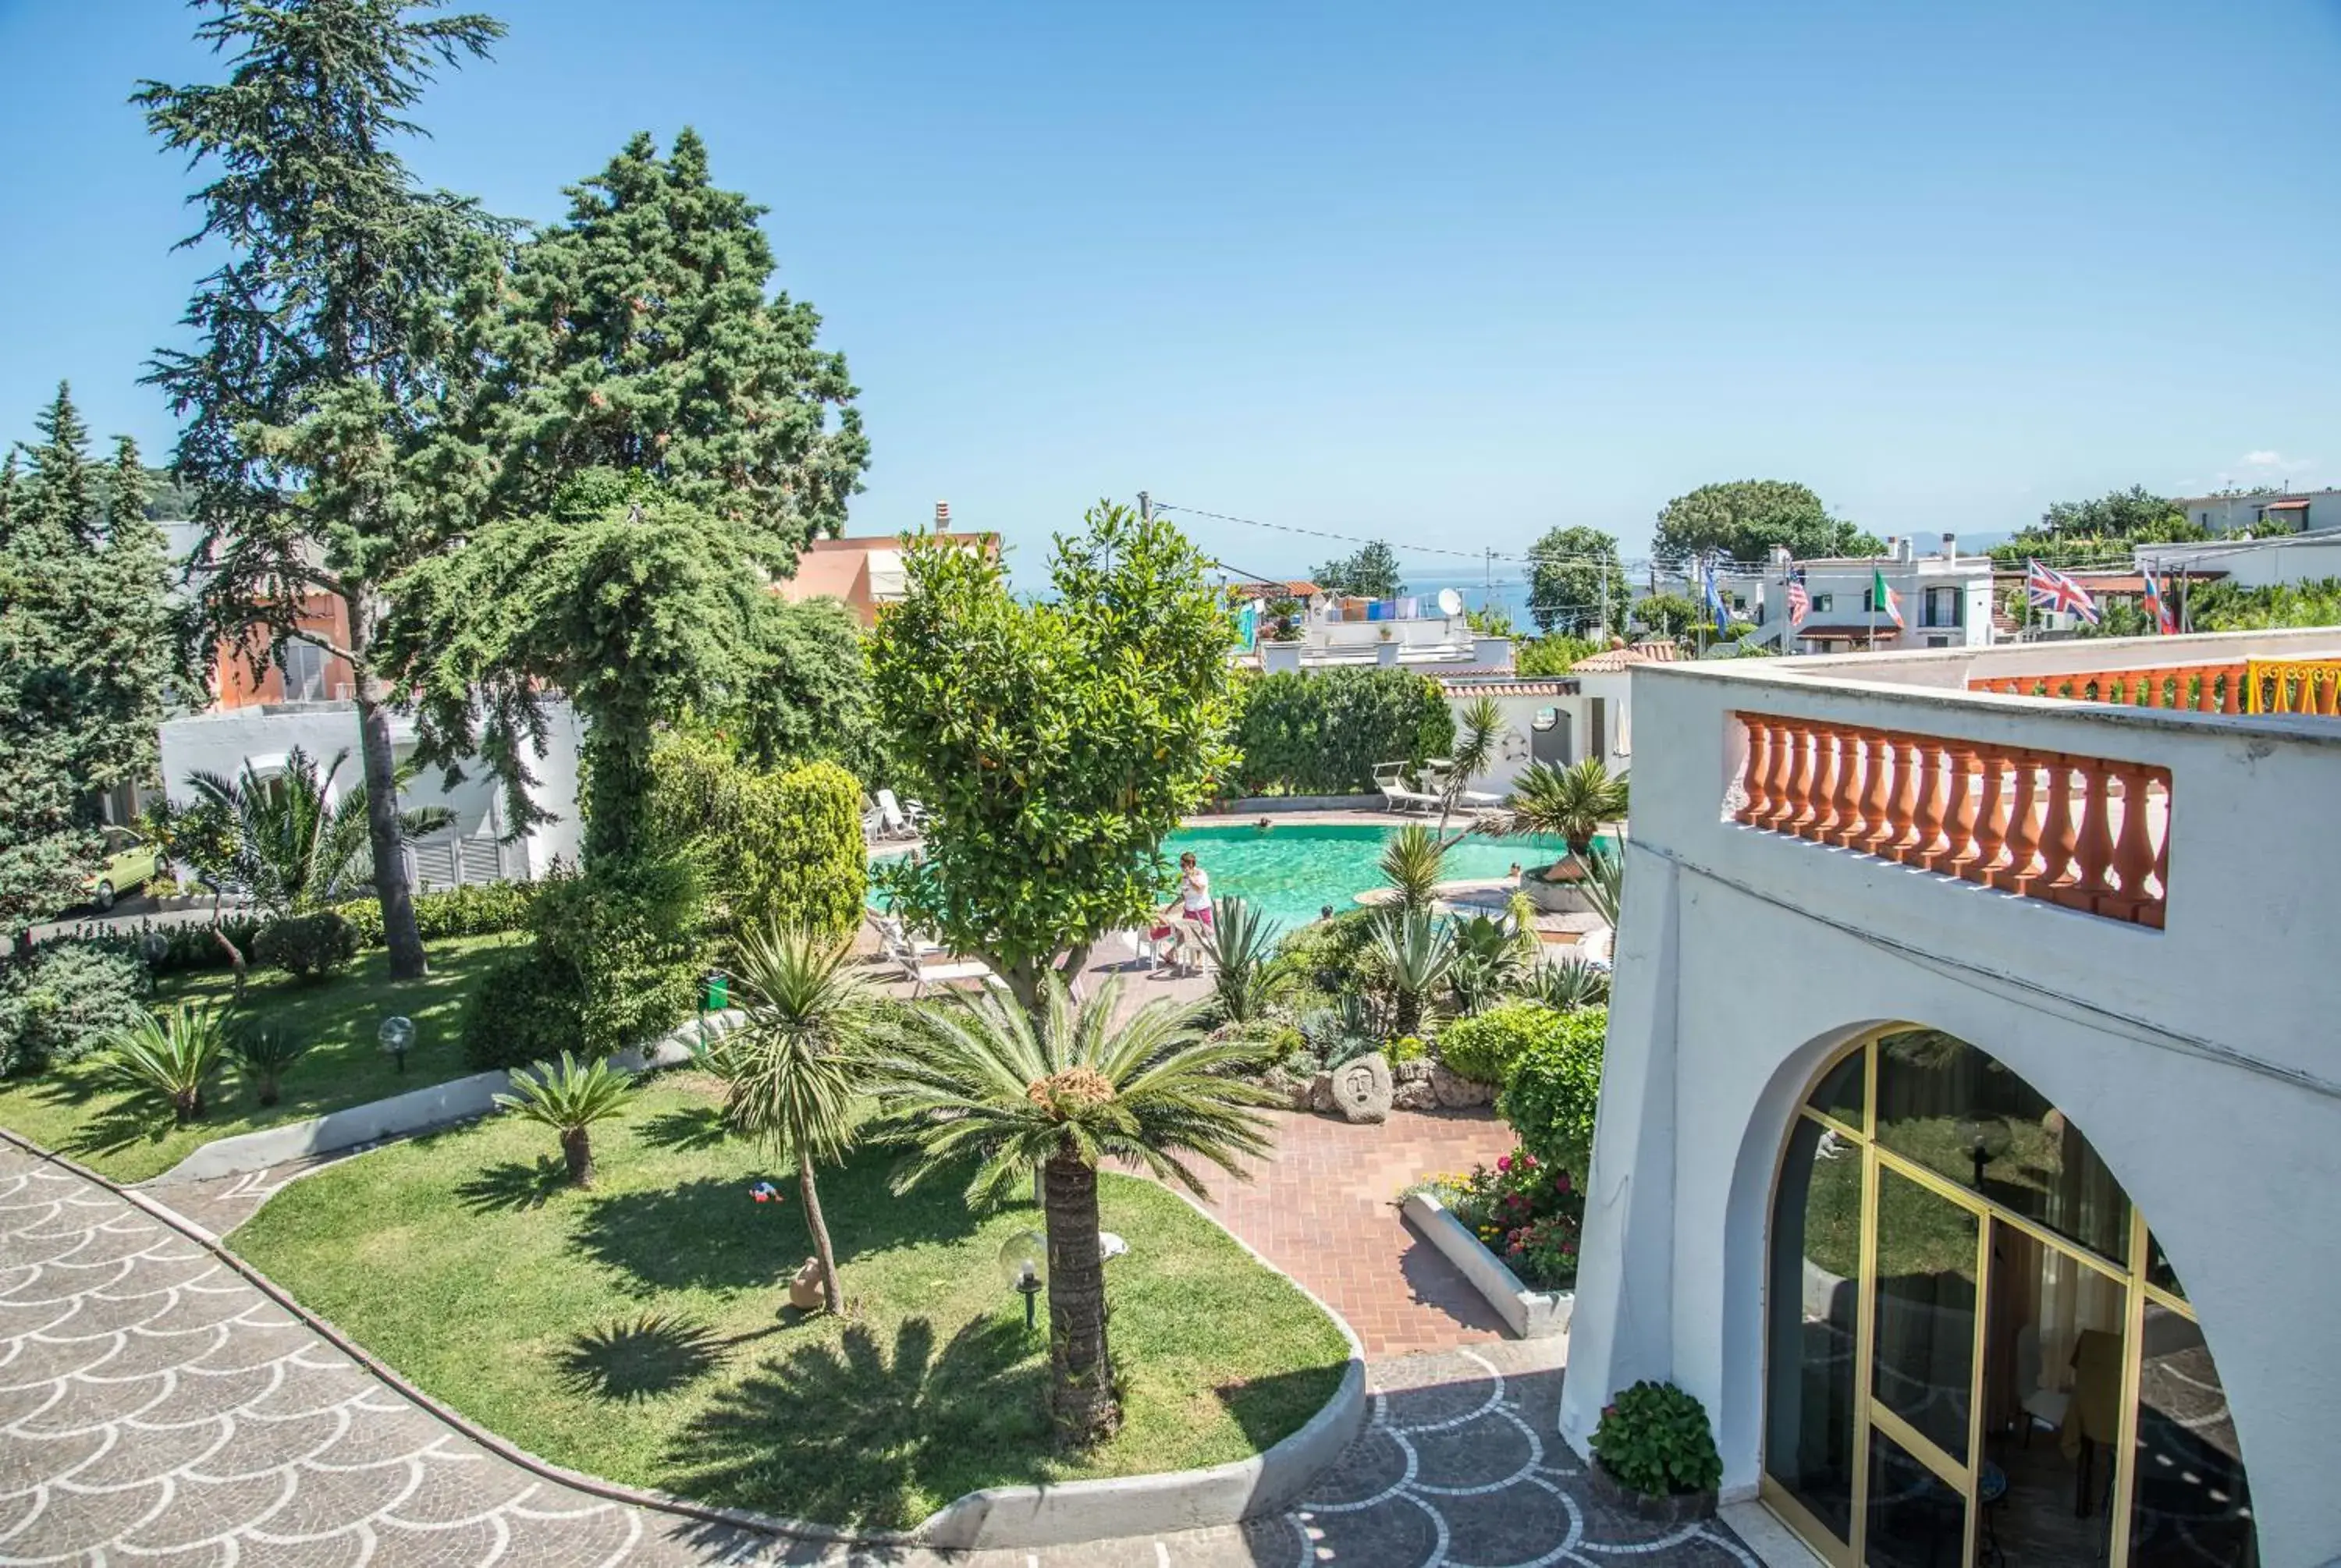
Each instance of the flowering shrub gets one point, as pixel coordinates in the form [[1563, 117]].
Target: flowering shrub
[[1527, 1211]]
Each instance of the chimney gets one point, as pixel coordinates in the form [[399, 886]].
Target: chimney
[[1906, 548], [1781, 558], [942, 517], [1950, 547], [1893, 547]]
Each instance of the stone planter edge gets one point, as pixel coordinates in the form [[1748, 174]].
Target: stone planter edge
[[1077, 1511], [431, 1106], [1529, 1314]]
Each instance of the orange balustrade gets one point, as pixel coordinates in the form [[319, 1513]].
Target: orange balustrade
[[2085, 833], [2194, 687]]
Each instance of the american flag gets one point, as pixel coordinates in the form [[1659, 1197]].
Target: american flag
[[2048, 588], [2158, 605], [1800, 604]]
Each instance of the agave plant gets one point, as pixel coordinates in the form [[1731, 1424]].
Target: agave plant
[[1411, 858], [1338, 1035], [295, 846], [1572, 803], [569, 1097], [1605, 881], [791, 1072], [1420, 956], [1567, 984], [262, 1056], [1246, 973], [172, 1056], [1489, 962]]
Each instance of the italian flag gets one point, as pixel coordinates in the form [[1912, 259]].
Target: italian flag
[[1888, 602]]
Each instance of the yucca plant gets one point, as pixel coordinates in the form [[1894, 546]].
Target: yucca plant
[[1411, 858], [792, 1071], [987, 1085], [1605, 881], [1572, 803], [1420, 956], [262, 1056], [570, 1097], [1478, 729], [1567, 984], [1246, 973], [172, 1056]]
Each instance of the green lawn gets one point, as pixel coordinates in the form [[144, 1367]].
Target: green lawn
[[639, 1332], [131, 1138]]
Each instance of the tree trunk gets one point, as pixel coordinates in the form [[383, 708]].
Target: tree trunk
[[577, 1149], [1081, 1395], [186, 1106], [1407, 1013], [379, 761], [832, 1294], [234, 959]]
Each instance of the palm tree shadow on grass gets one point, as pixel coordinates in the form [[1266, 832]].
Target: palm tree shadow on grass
[[844, 1434], [653, 1353], [514, 1184], [690, 1129]]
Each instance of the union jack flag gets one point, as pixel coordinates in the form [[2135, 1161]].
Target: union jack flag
[[2158, 605], [2048, 588], [1800, 604]]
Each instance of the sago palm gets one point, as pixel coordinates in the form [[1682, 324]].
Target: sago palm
[[173, 1057], [1420, 956], [985, 1083], [262, 1054], [1246, 973], [570, 1097], [1572, 803], [296, 846], [1411, 858], [791, 1072]]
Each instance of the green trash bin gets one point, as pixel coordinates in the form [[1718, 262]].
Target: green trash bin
[[719, 991]]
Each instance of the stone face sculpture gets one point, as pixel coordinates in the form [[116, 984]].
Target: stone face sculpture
[[805, 1287], [1362, 1088]]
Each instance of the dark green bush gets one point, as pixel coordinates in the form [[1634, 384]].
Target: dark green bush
[[474, 909], [1329, 955], [1322, 734], [1485, 1047], [1654, 1438], [177, 947], [771, 848], [613, 961], [65, 999], [307, 947], [1555, 1087]]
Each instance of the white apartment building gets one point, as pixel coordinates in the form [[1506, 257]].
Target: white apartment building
[[2294, 511], [1970, 1131], [2252, 562], [1945, 599]]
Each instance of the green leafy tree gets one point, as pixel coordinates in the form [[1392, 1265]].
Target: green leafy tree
[[85, 653], [996, 1090], [1744, 518], [782, 849], [296, 846], [1670, 614], [1370, 573], [1555, 654], [1554, 1087], [1056, 742], [1576, 580], [806, 695], [2117, 514], [791, 1073], [636, 335], [314, 448], [1324, 734]]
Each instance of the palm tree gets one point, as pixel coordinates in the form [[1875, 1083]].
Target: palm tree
[[297, 847], [1477, 727], [1573, 803], [790, 1072], [172, 1056], [987, 1082], [1420, 956], [1411, 858], [570, 1097]]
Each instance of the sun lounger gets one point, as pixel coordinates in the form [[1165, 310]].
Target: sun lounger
[[925, 963], [1390, 777], [896, 820]]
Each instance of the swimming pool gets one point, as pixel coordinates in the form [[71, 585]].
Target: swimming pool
[[1291, 869]]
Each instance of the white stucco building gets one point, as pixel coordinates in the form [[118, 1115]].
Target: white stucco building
[[2251, 562], [1945, 599], [1970, 1130]]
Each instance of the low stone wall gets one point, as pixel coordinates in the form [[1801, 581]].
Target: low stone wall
[[431, 1106], [1529, 1314]]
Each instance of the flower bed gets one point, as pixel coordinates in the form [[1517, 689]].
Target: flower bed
[[1526, 1212]]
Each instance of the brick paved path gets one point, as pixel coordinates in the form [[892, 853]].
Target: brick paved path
[[1324, 1209]]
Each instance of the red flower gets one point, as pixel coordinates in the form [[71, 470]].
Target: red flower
[[1503, 1162]]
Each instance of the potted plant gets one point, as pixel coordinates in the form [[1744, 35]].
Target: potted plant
[[1654, 1455]]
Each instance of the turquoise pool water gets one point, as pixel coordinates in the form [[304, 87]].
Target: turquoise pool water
[[1293, 869]]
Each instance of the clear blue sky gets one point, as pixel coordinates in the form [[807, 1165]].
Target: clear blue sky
[[1446, 275]]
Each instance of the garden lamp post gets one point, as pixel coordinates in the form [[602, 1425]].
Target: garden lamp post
[[1024, 1264], [1985, 1138], [397, 1037]]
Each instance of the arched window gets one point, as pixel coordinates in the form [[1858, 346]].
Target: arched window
[[1976, 1352]]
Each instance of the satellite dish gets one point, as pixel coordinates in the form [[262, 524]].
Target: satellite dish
[[1450, 602]]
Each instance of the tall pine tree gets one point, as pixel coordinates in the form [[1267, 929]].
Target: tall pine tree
[[326, 343], [84, 658]]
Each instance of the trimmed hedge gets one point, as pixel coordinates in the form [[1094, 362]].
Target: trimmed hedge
[[1484, 1047], [307, 947], [1322, 734], [474, 909], [771, 848], [1555, 1088]]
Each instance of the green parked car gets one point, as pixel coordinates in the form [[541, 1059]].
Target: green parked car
[[130, 862]]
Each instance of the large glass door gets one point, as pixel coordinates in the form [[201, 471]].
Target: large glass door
[[1975, 1352]]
